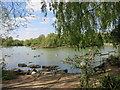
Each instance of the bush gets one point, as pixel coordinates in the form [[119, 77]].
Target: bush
[[7, 75], [114, 57], [114, 60], [111, 82]]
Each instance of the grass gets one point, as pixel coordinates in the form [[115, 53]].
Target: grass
[[111, 82], [7, 75]]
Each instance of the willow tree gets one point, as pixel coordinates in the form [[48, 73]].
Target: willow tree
[[83, 22]]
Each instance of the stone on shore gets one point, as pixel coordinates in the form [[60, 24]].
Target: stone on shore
[[50, 66], [61, 71], [22, 65], [20, 72], [34, 66]]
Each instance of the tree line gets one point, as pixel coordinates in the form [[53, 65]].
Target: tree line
[[54, 40], [8, 41]]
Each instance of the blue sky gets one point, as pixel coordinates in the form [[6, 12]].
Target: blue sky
[[38, 24]]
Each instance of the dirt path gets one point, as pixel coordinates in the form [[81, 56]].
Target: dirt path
[[43, 81]]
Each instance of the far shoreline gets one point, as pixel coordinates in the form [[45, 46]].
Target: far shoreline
[[38, 47]]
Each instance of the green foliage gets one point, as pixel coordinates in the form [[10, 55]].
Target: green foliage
[[112, 57], [52, 40], [27, 43], [82, 22], [111, 82], [107, 37], [10, 42], [85, 64], [115, 35], [7, 74]]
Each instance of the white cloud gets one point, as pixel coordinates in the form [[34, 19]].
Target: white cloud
[[36, 6], [32, 30], [34, 33]]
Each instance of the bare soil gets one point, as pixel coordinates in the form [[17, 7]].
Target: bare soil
[[43, 81]]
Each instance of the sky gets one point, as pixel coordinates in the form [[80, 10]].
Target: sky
[[37, 25]]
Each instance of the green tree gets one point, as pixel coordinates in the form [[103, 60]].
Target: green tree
[[27, 43], [115, 35], [75, 19], [17, 43], [8, 41], [85, 64], [50, 40], [41, 40]]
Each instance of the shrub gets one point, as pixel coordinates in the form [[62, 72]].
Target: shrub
[[7, 74], [111, 82], [114, 57]]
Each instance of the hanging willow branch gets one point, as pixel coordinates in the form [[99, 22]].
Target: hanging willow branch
[[83, 23]]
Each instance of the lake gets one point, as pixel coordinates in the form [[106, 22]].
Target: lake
[[47, 56]]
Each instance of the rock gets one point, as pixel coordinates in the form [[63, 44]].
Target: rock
[[22, 65], [50, 66], [19, 71], [62, 71], [34, 66]]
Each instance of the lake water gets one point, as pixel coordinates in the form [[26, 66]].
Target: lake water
[[48, 56]]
